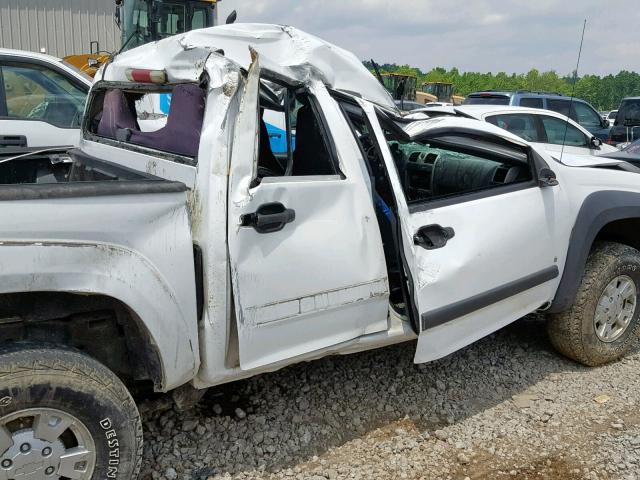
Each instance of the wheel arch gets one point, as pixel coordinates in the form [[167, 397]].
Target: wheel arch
[[121, 277], [606, 215], [65, 319]]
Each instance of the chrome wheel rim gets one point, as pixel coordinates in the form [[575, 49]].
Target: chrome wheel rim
[[615, 309], [45, 444]]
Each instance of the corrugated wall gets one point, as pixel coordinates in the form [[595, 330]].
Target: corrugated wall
[[61, 27]]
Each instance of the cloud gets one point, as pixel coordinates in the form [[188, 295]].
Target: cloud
[[478, 35]]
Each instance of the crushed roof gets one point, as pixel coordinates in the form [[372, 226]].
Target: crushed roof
[[299, 53]]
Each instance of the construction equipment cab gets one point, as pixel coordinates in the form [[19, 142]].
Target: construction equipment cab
[[185, 254], [144, 21]]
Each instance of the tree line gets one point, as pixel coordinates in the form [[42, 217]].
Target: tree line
[[604, 93]]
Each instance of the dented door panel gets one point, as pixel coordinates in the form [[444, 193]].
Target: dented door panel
[[318, 281], [134, 248], [497, 262]]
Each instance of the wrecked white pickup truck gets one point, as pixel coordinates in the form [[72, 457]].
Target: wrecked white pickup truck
[[192, 255]]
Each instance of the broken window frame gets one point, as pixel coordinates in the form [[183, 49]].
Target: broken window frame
[[292, 89], [475, 143], [94, 107]]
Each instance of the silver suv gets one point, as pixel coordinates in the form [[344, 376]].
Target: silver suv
[[578, 110]]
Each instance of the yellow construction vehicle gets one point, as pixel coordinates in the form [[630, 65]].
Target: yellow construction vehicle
[[400, 86], [144, 21], [438, 92]]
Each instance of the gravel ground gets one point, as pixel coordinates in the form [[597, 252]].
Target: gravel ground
[[505, 407]]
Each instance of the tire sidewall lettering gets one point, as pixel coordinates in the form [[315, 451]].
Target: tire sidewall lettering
[[113, 446]]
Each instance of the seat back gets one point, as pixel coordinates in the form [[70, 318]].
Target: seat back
[[116, 114], [181, 134], [310, 156], [266, 158]]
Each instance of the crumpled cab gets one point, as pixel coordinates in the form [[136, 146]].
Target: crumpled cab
[[358, 235], [369, 229]]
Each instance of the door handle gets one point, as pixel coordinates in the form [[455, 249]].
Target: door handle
[[268, 218], [13, 141], [432, 237]]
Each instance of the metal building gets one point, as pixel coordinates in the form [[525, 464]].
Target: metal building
[[58, 27]]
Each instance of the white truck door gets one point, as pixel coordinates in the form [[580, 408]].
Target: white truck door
[[306, 257], [478, 231], [35, 133]]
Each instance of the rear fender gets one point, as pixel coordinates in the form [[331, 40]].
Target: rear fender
[[117, 272]]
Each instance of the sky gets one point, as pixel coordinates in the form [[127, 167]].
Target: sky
[[472, 35]]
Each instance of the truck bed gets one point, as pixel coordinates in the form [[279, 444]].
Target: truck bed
[[72, 223], [54, 173]]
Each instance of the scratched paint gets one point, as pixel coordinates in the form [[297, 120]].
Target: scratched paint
[[335, 298], [135, 248]]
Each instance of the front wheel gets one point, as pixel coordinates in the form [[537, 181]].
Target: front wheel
[[602, 324], [64, 415]]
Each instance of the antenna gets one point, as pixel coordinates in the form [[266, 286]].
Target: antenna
[[377, 70], [573, 89]]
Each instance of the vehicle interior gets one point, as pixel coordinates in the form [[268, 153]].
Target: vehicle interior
[[116, 114], [384, 204], [293, 139], [447, 167], [452, 164], [60, 166], [32, 92], [430, 172]]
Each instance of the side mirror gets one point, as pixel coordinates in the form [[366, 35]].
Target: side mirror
[[547, 178], [596, 142], [233, 16]]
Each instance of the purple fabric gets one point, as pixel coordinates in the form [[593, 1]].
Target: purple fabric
[[181, 134], [116, 114]]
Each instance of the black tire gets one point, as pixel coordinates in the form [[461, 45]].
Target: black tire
[[71, 382], [572, 332]]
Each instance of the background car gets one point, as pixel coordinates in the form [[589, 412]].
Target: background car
[[630, 153], [611, 117], [626, 127], [408, 105], [579, 110], [542, 127], [41, 100]]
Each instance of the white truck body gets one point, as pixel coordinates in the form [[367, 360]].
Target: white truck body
[[187, 253], [319, 285]]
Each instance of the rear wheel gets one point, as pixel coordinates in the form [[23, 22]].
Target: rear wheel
[[65, 416], [602, 325]]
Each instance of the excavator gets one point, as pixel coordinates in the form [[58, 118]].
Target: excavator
[[145, 21]]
